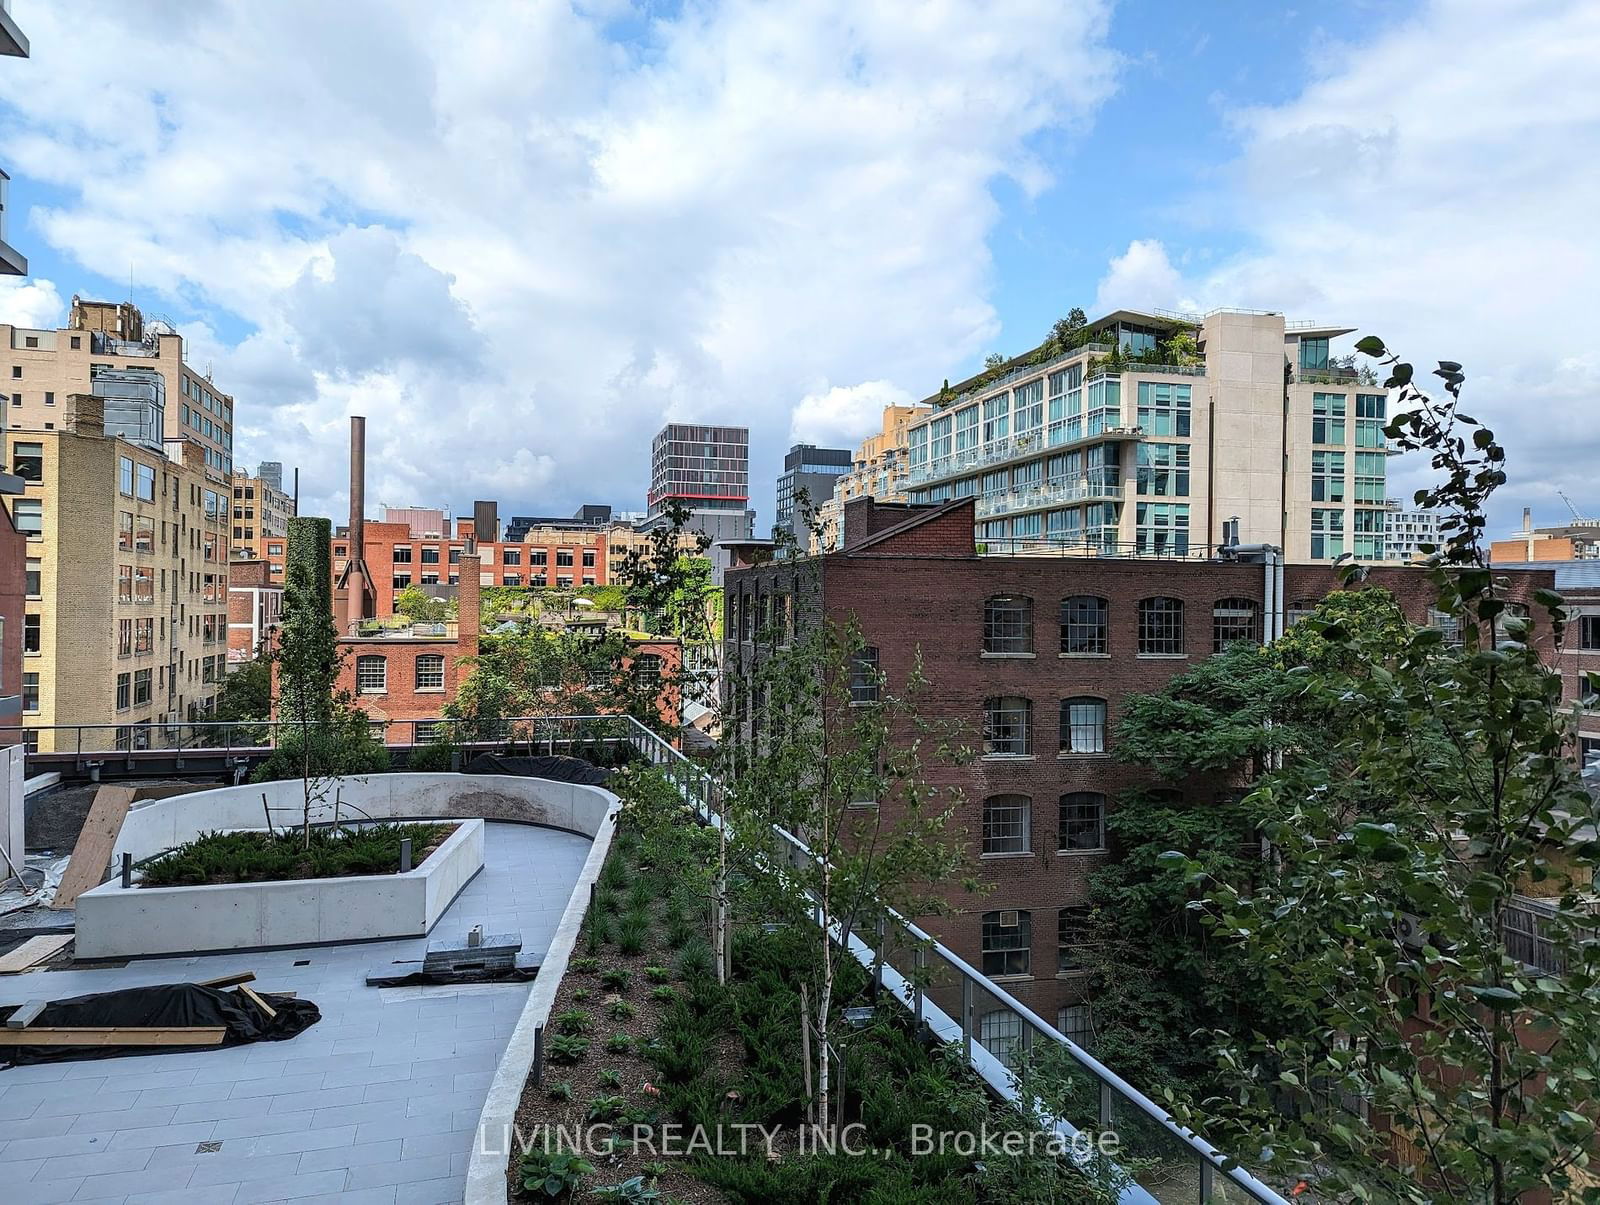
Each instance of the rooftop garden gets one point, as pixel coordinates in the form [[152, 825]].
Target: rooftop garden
[[266, 857]]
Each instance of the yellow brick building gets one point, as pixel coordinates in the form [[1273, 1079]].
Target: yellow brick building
[[127, 590]]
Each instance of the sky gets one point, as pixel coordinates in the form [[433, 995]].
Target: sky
[[521, 236]]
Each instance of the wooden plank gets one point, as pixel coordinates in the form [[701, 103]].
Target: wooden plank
[[24, 1016], [113, 1035], [92, 854], [222, 981], [32, 952], [258, 1002]]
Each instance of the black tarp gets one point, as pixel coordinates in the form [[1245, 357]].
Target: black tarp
[[557, 769], [168, 1005]]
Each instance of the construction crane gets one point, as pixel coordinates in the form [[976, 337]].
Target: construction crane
[[1576, 514]]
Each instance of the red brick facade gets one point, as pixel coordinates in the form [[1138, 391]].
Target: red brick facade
[[255, 604], [917, 587], [580, 560]]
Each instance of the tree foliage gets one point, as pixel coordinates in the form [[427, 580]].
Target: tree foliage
[[419, 606]]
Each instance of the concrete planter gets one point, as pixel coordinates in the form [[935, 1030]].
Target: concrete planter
[[115, 922]]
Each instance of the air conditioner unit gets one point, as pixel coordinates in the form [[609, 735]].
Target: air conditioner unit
[[1008, 919], [1410, 931]]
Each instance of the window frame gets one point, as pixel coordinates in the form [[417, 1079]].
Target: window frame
[[995, 707], [1071, 622], [866, 676], [1160, 634], [1008, 625], [1230, 611], [364, 664], [1001, 955], [435, 661], [1080, 801], [1007, 825], [1071, 727]]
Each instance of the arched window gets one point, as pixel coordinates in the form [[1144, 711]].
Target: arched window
[[1007, 824], [1083, 821], [1008, 624], [1084, 624], [1298, 610], [1000, 1033], [1161, 626], [1071, 925], [1007, 942], [1083, 725], [430, 671], [1232, 620], [1076, 1023], [1007, 726], [372, 675], [647, 671]]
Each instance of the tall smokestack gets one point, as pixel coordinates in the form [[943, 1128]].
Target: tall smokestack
[[356, 597]]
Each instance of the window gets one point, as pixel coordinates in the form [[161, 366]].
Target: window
[[1162, 528], [1447, 623], [124, 691], [141, 687], [146, 482], [1083, 625], [1007, 942], [401, 580], [1588, 746], [1028, 406], [1164, 470], [125, 583], [30, 692], [512, 579], [1160, 626], [1083, 725], [1327, 534], [455, 557], [1007, 725], [28, 516], [1070, 926], [1589, 633], [1000, 1033], [1164, 408], [563, 558], [1007, 824], [144, 584], [1327, 418], [144, 634], [1372, 477], [1008, 624], [124, 637], [32, 633], [1233, 619], [372, 675], [1298, 610], [402, 554], [27, 461], [1076, 1025], [1314, 355], [864, 676], [1327, 476], [1083, 821], [1369, 533], [996, 417], [647, 671], [588, 558], [430, 671], [1370, 411], [511, 556], [430, 556], [31, 574]]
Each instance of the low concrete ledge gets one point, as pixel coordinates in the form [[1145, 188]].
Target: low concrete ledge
[[113, 921]]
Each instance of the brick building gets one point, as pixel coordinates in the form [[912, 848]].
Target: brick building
[[255, 606], [1034, 656], [13, 560], [401, 678], [398, 559], [1578, 583]]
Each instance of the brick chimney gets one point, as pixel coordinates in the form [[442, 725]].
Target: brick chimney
[[468, 603], [85, 415]]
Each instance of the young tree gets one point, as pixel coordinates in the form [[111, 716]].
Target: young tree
[[246, 698], [420, 607], [823, 746], [1384, 918]]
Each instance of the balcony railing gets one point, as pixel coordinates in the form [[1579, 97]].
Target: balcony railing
[[1088, 544], [1014, 447], [1049, 494], [1333, 376]]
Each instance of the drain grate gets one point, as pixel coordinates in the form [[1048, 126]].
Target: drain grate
[[208, 1148]]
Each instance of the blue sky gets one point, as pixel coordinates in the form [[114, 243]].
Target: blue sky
[[521, 244]]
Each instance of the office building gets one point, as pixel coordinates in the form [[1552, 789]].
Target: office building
[[13, 609], [1167, 435], [1578, 540], [255, 608], [109, 350], [126, 577], [13, 44], [261, 512], [877, 471], [1405, 531], [424, 522], [809, 472], [587, 517], [707, 470], [1034, 656]]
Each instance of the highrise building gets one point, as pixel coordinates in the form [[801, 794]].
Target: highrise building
[[126, 578], [813, 471], [13, 44], [1166, 435], [877, 471], [261, 512], [108, 350], [707, 470], [1405, 531]]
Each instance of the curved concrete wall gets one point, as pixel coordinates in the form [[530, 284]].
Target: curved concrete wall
[[154, 826]]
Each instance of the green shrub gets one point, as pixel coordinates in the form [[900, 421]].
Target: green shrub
[[610, 1077], [567, 1048], [605, 1108], [554, 1173], [584, 966], [580, 994], [632, 934], [572, 1020], [616, 980], [621, 1010], [599, 932], [606, 901], [663, 994], [613, 875], [657, 974], [560, 1090], [635, 1188], [432, 758], [619, 1043], [695, 963], [256, 857]]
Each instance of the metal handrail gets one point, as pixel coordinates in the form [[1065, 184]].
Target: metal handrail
[[699, 788]]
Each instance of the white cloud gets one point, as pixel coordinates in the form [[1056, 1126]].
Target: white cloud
[[519, 246], [1436, 186], [844, 415], [26, 302], [1140, 278]]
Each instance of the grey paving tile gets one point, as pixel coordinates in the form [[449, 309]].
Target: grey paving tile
[[56, 1144], [33, 1073], [122, 1119], [399, 1089], [367, 1075], [94, 1102], [120, 1079], [282, 1085], [210, 1194], [46, 1193], [122, 1184], [186, 1094], [219, 1110], [361, 1154], [429, 1192], [322, 1098], [363, 1196], [262, 1124], [18, 1109], [400, 1171], [304, 1140], [417, 1145], [225, 1168], [189, 1131], [35, 1127], [327, 1062], [27, 1089], [72, 1167], [290, 1188]]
